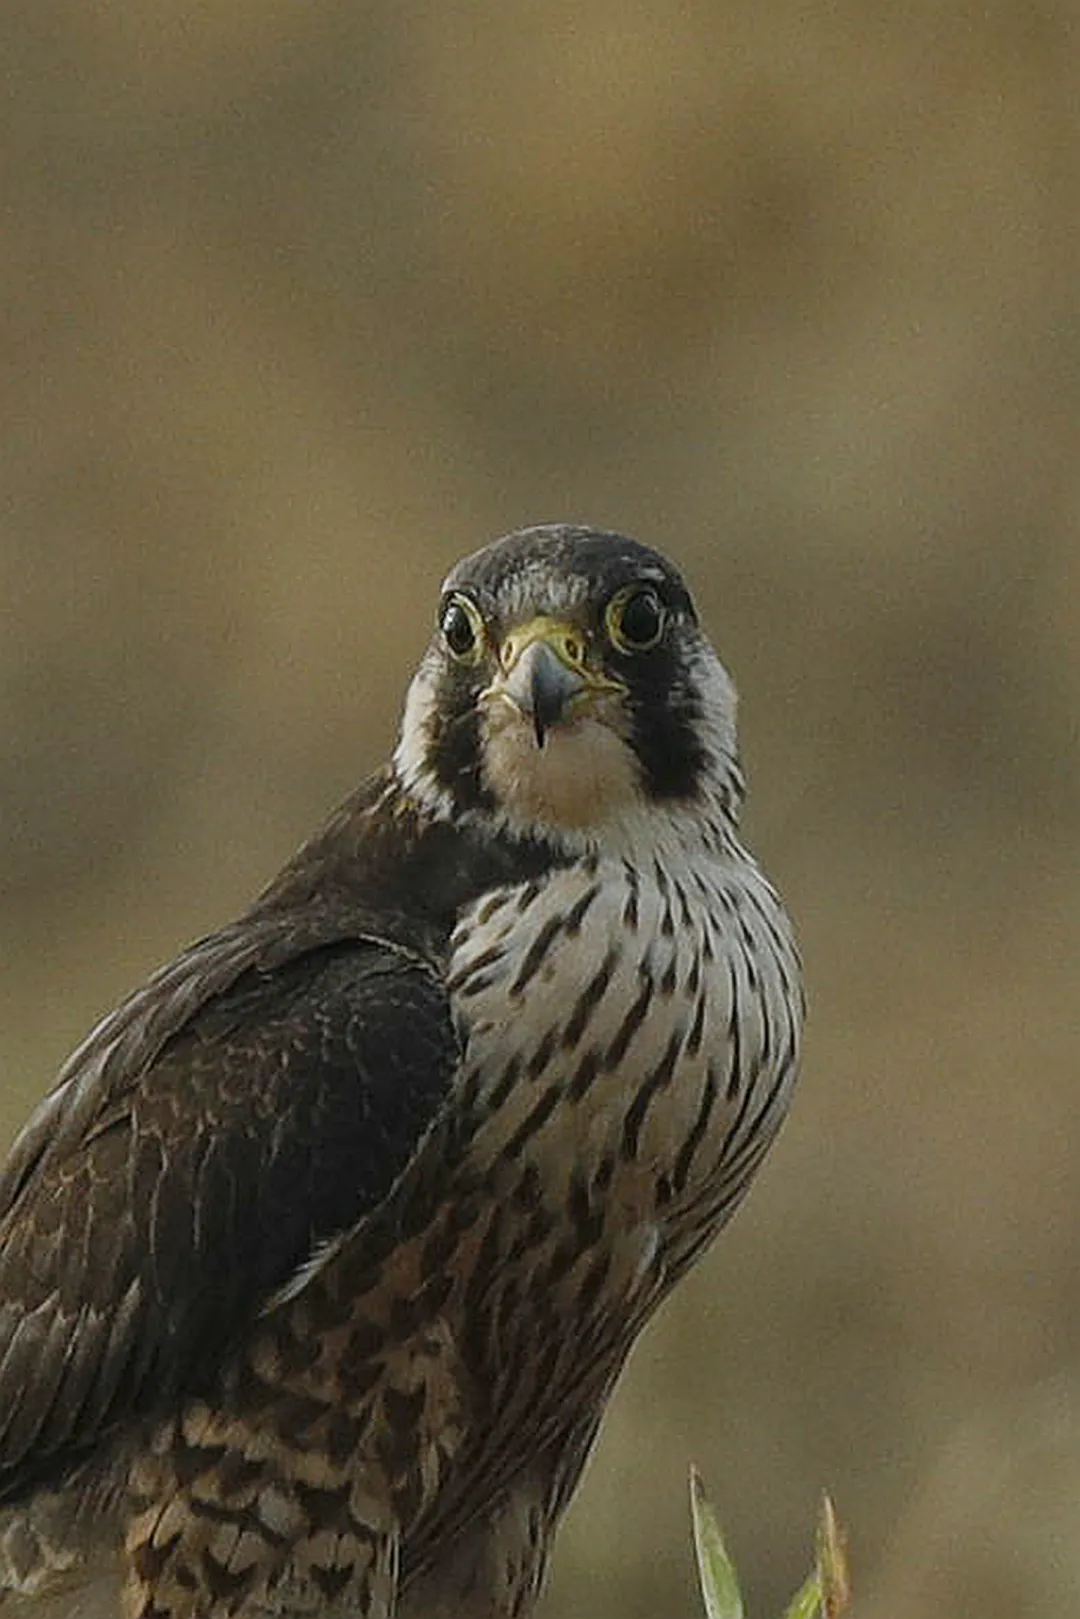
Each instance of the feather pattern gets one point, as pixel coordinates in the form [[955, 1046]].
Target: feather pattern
[[320, 1261]]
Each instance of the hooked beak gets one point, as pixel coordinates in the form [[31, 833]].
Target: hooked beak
[[543, 672], [542, 686]]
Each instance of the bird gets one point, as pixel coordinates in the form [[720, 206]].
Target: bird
[[321, 1260]]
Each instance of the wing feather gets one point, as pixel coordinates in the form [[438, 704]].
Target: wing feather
[[257, 1099]]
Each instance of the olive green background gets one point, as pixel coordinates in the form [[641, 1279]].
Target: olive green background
[[302, 299]]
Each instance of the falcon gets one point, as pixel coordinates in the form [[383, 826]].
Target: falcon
[[319, 1263]]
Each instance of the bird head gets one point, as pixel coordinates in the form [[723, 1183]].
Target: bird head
[[569, 689]]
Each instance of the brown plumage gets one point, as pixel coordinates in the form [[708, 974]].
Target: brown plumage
[[318, 1265]]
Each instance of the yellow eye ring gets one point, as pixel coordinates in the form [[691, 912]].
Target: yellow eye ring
[[635, 619], [462, 627]]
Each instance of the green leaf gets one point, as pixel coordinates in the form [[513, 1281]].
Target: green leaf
[[719, 1586], [806, 1603]]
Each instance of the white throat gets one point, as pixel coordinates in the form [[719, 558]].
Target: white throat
[[582, 790]]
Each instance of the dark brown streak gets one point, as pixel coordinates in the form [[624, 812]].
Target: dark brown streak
[[657, 1081], [466, 972], [576, 914], [509, 1078], [754, 1129], [526, 897], [534, 956], [632, 1022], [697, 1029], [543, 1054], [476, 984], [630, 906], [493, 903], [589, 999], [737, 1121], [686, 1153], [532, 1122], [734, 1079], [584, 1074]]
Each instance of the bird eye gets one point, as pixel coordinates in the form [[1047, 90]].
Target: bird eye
[[635, 619], [462, 627]]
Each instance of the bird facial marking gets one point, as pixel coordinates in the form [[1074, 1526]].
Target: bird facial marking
[[551, 696], [569, 686], [543, 672]]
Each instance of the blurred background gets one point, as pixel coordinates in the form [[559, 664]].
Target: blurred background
[[301, 300]]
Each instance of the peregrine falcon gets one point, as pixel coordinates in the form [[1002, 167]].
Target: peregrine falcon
[[319, 1263]]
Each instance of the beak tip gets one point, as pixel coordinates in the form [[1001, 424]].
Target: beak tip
[[541, 685]]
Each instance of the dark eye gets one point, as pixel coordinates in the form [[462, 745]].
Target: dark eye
[[462, 627], [636, 619]]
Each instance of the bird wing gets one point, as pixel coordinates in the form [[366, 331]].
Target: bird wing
[[259, 1096]]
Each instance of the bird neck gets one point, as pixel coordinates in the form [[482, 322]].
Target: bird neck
[[385, 854]]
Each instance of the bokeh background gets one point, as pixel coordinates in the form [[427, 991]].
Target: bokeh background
[[301, 299]]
